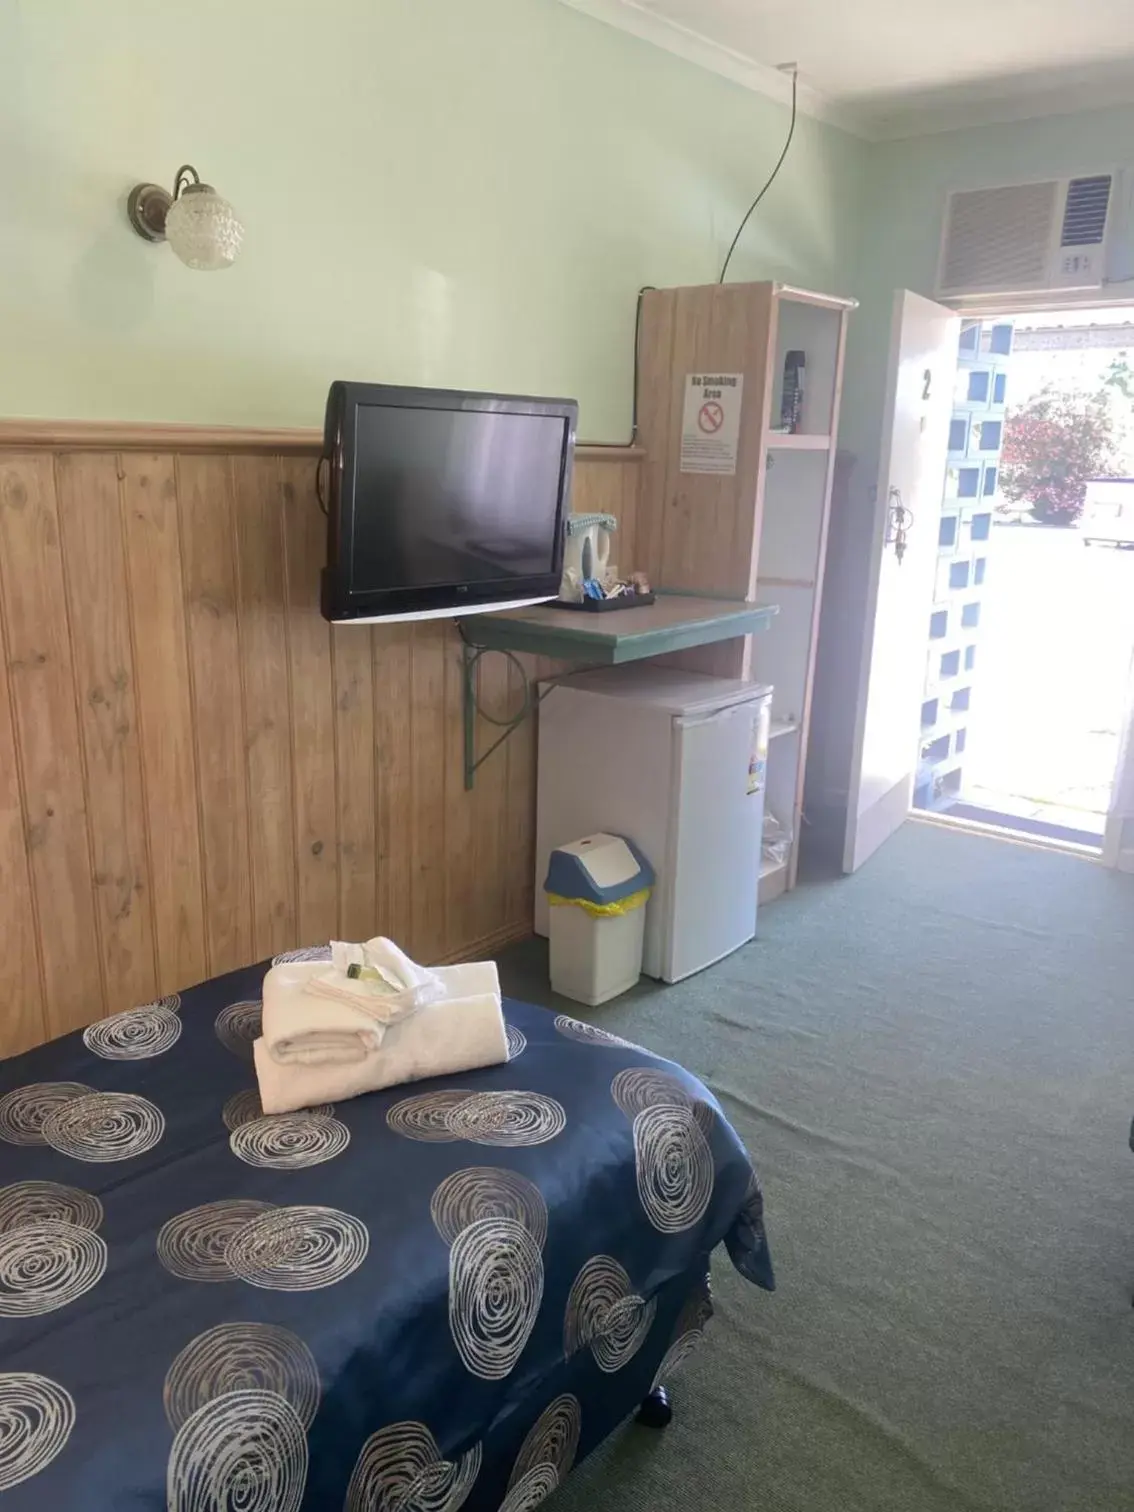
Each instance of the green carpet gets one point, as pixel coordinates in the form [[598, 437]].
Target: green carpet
[[933, 1065]]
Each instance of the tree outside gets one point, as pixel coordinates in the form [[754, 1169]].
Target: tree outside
[[1120, 376], [1057, 440]]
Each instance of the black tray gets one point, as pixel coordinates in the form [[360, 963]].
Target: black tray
[[607, 606]]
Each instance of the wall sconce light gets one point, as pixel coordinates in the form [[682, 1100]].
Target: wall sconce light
[[202, 228]]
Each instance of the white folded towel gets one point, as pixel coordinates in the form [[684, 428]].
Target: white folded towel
[[299, 1029], [459, 1033], [394, 986]]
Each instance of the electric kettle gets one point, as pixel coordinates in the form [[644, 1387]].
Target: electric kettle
[[586, 551]]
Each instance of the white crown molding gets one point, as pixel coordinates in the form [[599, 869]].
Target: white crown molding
[[630, 17], [931, 112], [935, 115]]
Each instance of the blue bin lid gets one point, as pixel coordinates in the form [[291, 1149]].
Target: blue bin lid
[[618, 869]]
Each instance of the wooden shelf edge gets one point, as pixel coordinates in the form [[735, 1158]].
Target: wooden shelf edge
[[601, 642], [812, 296], [781, 727]]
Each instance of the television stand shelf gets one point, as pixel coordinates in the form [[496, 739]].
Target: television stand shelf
[[676, 622]]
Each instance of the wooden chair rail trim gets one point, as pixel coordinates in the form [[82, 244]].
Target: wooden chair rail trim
[[114, 435]]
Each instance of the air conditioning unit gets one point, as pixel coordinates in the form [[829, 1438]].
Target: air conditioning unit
[[1025, 238]]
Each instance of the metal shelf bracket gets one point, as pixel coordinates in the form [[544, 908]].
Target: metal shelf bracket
[[470, 659]]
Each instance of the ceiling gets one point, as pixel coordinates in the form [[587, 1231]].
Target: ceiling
[[893, 68]]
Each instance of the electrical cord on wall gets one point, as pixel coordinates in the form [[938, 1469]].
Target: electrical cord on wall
[[621, 445], [594, 445], [642, 292], [772, 176]]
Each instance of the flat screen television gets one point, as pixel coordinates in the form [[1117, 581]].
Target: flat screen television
[[442, 503]]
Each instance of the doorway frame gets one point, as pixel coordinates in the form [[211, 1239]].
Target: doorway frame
[[1110, 852]]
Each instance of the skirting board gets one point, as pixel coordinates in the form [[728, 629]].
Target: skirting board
[[486, 947]]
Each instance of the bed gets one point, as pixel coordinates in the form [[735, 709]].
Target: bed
[[437, 1297]]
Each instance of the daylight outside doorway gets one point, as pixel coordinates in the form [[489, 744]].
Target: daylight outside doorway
[[1032, 625]]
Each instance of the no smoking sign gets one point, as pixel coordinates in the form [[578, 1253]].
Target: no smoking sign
[[710, 424], [711, 418]]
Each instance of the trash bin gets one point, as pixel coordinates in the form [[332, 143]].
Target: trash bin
[[597, 889]]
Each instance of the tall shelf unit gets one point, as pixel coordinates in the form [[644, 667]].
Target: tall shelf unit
[[759, 532]]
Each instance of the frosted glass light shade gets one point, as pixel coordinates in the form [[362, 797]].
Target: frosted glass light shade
[[203, 229]]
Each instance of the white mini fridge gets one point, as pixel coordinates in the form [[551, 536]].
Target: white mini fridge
[[675, 761]]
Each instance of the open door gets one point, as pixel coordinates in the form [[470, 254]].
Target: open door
[[915, 435]]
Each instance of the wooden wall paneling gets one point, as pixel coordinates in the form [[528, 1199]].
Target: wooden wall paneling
[[312, 704], [431, 641], [195, 769], [611, 488], [673, 571], [704, 527], [712, 522], [629, 548], [490, 889], [22, 1020], [94, 564], [41, 676], [352, 658], [463, 810], [753, 342], [262, 603], [393, 742], [155, 594], [721, 659], [519, 815], [205, 506], [744, 329], [656, 390]]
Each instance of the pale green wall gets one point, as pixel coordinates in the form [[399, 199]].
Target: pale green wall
[[903, 206], [446, 192]]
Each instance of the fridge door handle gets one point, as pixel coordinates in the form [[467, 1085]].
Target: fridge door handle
[[693, 721]]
